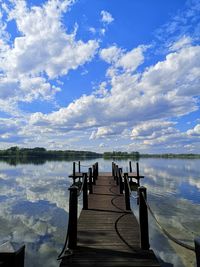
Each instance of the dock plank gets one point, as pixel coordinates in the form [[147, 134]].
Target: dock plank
[[108, 234]]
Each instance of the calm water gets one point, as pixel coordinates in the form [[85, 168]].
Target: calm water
[[34, 206]]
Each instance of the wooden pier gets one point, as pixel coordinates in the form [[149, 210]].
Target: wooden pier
[[107, 233]]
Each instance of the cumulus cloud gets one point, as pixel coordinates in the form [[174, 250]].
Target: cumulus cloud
[[151, 95], [152, 129], [128, 61], [131, 60], [194, 131], [141, 99], [42, 51], [106, 17], [111, 54]]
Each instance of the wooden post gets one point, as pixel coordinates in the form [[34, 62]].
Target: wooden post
[[117, 175], [74, 172], [130, 169], [90, 181], [120, 181], [130, 166], [127, 193], [97, 168], [79, 166], [72, 223], [143, 219], [93, 174], [197, 250], [113, 169], [138, 173], [10, 255], [85, 192]]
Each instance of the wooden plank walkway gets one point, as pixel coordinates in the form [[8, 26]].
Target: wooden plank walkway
[[108, 235]]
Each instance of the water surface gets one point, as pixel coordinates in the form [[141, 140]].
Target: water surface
[[34, 206]]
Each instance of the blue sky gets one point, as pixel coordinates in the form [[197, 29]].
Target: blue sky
[[100, 75]]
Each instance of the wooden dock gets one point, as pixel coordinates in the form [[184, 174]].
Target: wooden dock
[[107, 233]]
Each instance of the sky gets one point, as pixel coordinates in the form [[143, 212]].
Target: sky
[[100, 75]]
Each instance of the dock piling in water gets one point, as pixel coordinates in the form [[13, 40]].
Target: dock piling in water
[[197, 250], [90, 181], [72, 223], [127, 192], [85, 192], [143, 218]]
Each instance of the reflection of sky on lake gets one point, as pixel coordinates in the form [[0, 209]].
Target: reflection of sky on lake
[[34, 209], [34, 206], [173, 187]]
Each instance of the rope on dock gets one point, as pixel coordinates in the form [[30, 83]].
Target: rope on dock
[[129, 188], [68, 252], [81, 189], [172, 238], [64, 247]]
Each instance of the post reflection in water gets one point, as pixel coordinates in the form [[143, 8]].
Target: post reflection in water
[[34, 206]]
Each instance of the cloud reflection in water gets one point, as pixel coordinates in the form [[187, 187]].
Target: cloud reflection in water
[[34, 206]]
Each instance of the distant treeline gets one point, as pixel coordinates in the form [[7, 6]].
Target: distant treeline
[[171, 155], [120, 154], [40, 155], [136, 155]]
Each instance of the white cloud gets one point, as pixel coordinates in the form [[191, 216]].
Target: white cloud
[[131, 60], [182, 42], [42, 51], [183, 25], [92, 30], [111, 54], [128, 99], [194, 131], [152, 129], [151, 97], [106, 17]]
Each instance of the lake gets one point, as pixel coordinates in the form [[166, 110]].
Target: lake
[[35, 198]]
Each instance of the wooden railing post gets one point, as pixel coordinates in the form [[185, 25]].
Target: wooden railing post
[[117, 175], [74, 172], [197, 250], [93, 174], [127, 193], [143, 219], [79, 166], [113, 169], [72, 223], [85, 192], [138, 173], [90, 181], [97, 168], [130, 169], [130, 166], [120, 181]]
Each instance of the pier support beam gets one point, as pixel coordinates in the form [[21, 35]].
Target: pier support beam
[[120, 181], [127, 193], [143, 218], [90, 181], [72, 223], [197, 250], [85, 192], [138, 173], [74, 172]]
